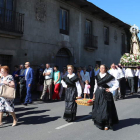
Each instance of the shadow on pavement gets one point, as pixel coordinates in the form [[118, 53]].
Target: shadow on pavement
[[17, 109], [83, 118], [126, 123], [31, 112], [132, 96], [34, 120]]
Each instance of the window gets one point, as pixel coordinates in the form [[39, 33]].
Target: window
[[6, 4], [123, 43], [64, 21], [106, 35], [88, 27]]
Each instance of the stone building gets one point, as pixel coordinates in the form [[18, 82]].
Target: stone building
[[59, 32]]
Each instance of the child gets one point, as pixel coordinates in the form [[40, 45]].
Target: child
[[86, 89]]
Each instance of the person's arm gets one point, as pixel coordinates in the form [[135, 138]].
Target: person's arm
[[48, 73], [57, 79], [23, 75], [95, 87], [32, 77], [63, 84], [79, 88], [115, 84], [10, 84]]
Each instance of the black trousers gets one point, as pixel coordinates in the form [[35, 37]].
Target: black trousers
[[22, 92], [122, 85], [136, 83], [131, 84]]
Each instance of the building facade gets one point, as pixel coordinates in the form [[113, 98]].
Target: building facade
[[59, 32]]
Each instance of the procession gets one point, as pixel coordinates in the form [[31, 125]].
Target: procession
[[78, 83]]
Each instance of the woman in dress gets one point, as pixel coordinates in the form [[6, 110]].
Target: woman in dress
[[72, 85], [57, 80], [104, 112], [7, 105]]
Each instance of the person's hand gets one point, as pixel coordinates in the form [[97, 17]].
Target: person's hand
[[16, 75], [29, 85], [107, 90], [5, 82], [19, 83], [54, 82]]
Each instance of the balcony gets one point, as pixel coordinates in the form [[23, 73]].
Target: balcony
[[11, 22], [91, 42]]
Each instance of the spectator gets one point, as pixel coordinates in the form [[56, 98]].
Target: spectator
[[48, 73], [57, 80], [97, 69], [28, 74], [85, 75], [22, 84]]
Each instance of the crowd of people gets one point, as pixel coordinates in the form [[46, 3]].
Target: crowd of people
[[100, 84]]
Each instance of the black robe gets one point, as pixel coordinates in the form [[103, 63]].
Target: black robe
[[70, 97], [104, 112]]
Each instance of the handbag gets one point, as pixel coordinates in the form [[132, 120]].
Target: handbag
[[7, 92]]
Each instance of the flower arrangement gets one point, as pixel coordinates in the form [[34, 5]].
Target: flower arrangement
[[130, 60]]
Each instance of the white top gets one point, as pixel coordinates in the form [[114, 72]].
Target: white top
[[96, 71], [78, 86], [26, 73], [48, 76], [115, 73], [129, 73], [120, 73], [86, 77], [138, 73], [113, 82]]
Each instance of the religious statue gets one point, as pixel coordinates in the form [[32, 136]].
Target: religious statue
[[135, 44]]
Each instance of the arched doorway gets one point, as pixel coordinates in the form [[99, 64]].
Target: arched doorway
[[63, 58]]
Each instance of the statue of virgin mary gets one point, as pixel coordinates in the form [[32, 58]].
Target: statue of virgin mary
[[135, 44]]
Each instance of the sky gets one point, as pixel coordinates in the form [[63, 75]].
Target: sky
[[127, 11]]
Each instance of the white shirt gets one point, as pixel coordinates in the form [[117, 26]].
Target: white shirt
[[138, 73], [48, 76], [120, 73], [78, 86], [96, 71], [115, 73], [86, 77], [129, 73], [26, 73], [113, 82]]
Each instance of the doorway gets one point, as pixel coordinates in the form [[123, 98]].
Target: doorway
[[63, 58]]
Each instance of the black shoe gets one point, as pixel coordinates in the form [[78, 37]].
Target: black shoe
[[25, 104]]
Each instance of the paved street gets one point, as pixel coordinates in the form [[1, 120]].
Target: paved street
[[43, 121]]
